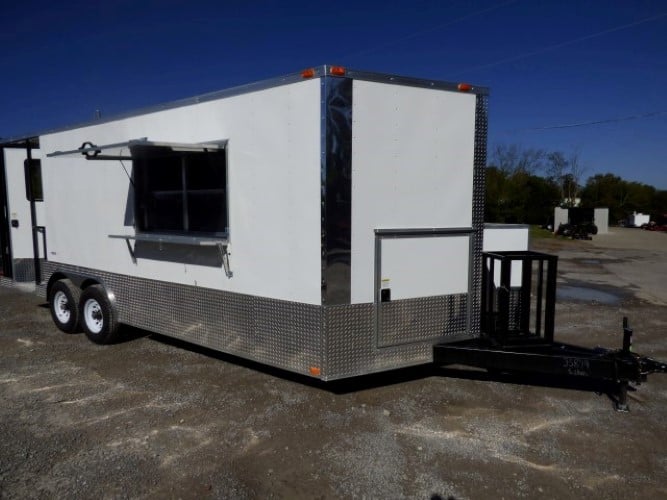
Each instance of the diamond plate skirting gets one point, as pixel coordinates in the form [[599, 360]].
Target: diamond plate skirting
[[274, 332], [10, 283], [341, 340]]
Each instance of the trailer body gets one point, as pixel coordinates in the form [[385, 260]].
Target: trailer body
[[636, 219], [328, 223]]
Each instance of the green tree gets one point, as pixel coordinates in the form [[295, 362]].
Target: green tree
[[495, 197], [622, 197], [567, 173], [542, 196], [519, 197], [516, 193], [512, 158], [659, 204]]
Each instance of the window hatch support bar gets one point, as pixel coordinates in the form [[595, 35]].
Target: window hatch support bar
[[119, 150], [224, 253], [92, 151], [133, 256]]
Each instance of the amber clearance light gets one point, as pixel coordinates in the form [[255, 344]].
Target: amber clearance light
[[337, 71], [465, 87], [308, 73]]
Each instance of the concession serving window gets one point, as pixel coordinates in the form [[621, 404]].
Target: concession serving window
[[180, 190]]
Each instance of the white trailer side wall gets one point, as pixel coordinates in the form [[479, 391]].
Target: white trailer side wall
[[19, 206], [273, 185], [505, 238], [412, 167]]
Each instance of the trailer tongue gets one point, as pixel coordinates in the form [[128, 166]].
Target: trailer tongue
[[518, 328]]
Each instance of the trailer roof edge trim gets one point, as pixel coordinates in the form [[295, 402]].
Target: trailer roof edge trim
[[318, 72], [415, 82], [91, 151], [20, 142]]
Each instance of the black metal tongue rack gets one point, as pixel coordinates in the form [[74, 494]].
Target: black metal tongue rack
[[518, 309]]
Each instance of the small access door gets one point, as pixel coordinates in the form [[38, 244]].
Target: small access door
[[20, 209], [423, 284]]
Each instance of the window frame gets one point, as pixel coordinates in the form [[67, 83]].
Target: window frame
[[138, 160]]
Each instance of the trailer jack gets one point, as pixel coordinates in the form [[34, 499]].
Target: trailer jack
[[517, 331]]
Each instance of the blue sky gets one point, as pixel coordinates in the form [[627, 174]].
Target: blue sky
[[548, 63]]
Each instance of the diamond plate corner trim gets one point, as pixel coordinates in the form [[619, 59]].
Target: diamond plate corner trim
[[274, 332], [479, 166]]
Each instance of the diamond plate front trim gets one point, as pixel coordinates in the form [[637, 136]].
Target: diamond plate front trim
[[352, 349], [421, 319]]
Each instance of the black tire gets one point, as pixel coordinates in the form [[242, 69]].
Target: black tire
[[97, 315], [64, 305]]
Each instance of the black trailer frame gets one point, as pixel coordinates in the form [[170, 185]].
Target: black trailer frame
[[518, 330]]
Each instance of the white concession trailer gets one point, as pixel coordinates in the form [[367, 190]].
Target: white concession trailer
[[328, 222]]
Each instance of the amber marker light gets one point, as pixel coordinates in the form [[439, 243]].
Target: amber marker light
[[315, 371], [308, 73], [337, 71], [465, 87]]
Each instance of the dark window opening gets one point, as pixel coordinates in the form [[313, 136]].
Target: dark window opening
[[183, 192], [33, 180]]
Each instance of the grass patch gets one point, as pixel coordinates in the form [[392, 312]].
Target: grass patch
[[536, 232]]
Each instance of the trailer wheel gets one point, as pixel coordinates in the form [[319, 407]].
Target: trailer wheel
[[98, 317], [64, 305]]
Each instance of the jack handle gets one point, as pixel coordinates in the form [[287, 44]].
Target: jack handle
[[627, 335]]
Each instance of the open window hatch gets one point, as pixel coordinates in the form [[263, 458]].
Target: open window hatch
[[180, 190]]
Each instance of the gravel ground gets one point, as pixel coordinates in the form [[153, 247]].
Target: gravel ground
[[155, 418]]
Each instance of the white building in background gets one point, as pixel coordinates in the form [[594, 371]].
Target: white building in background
[[599, 216]]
